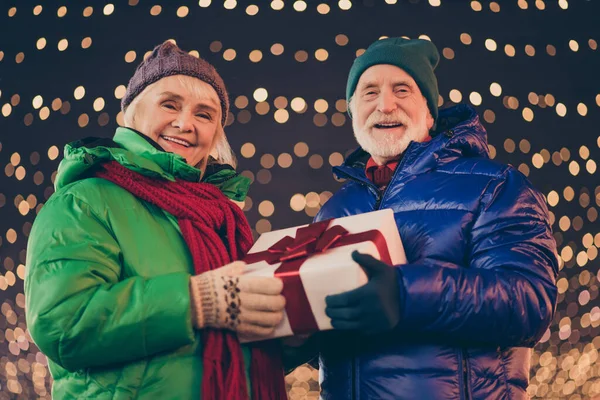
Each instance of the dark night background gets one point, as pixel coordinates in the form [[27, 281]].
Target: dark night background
[[543, 55]]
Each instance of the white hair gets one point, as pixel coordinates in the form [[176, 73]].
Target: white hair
[[220, 149]]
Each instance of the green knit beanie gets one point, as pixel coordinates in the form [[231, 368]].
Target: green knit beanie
[[417, 57]]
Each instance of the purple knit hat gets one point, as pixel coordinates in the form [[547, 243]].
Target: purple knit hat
[[167, 59]]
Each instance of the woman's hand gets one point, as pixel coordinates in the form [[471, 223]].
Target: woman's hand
[[225, 299]]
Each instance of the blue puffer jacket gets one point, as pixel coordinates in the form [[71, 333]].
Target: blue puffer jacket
[[479, 289]]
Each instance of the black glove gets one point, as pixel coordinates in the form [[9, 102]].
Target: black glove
[[372, 308]]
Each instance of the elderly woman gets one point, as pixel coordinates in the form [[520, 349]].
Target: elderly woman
[[132, 286]]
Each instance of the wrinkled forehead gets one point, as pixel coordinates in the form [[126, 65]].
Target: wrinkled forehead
[[383, 74], [187, 89]]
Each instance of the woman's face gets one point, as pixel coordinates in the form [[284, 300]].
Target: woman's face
[[180, 118]]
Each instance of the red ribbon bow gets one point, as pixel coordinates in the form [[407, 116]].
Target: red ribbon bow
[[292, 252]]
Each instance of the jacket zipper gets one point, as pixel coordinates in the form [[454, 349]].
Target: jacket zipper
[[465, 374], [353, 378]]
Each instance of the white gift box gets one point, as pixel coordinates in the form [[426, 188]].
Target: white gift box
[[328, 272]]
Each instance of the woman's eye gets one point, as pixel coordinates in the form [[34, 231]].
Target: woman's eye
[[170, 106], [205, 116]]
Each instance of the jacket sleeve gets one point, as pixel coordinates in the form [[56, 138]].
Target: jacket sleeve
[[505, 295], [81, 312]]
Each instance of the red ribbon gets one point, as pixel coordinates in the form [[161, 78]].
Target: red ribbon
[[292, 252]]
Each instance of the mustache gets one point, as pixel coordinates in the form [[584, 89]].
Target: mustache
[[380, 118]]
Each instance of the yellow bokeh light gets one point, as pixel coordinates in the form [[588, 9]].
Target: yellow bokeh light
[[23, 207], [11, 236], [53, 153], [465, 38], [108, 9], [88, 11], [15, 159], [248, 150], [130, 56], [455, 96], [561, 109], [204, 3], [301, 149], [266, 208], [321, 106], [281, 116], [252, 9], [37, 102], [568, 193], [284, 160], [6, 109], [582, 109], [120, 91], [313, 199], [344, 5], [61, 12], [255, 56], [574, 168], [475, 98], [527, 114], [63, 44], [277, 49], [298, 202], [267, 161], [41, 43], [37, 10], [564, 223], [321, 54], [590, 166], [277, 5], [573, 45], [299, 5], [155, 10], [280, 102], [20, 173], [491, 45], [298, 104], [86, 42], [260, 94], [79, 93], [336, 159], [496, 89], [524, 146], [229, 54], [99, 104], [553, 198], [44, 113], [509, 49], [183, 11], [537, 160], [476, 6]]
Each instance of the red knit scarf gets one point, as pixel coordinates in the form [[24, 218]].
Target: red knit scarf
[[217, 233]]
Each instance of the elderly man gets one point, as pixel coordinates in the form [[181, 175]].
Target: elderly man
[[458, 321]]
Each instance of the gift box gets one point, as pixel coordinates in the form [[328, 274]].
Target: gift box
[[314, 261]]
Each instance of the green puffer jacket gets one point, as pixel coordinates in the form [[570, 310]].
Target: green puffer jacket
[[107, 279]]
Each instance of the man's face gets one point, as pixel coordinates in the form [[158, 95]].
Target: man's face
[[389, 111], [181, 120]]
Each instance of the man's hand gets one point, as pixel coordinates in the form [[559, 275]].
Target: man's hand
[[371, 308]]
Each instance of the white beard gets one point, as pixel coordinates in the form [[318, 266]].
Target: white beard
[[390, 145]]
